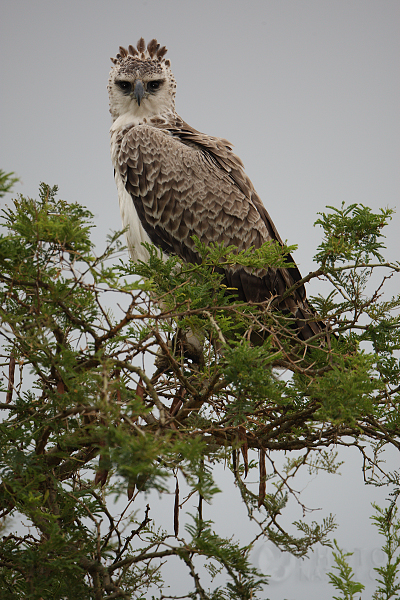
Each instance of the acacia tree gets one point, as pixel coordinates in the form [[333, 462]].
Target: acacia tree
[[85, 421]]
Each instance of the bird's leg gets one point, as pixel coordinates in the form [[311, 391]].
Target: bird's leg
[[186, 344], [192, 346], [161, 362]]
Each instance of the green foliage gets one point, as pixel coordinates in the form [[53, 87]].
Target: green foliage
[[388, 525], [86, 420], [347, 389], [352, 241], [249, 370], [344, 580], [351, 233], [227, 553], [6, 182], [271, 253]]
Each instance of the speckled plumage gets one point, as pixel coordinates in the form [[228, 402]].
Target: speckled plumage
[[175, 182]]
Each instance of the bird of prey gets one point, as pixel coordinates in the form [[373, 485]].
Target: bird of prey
[[175, 183]]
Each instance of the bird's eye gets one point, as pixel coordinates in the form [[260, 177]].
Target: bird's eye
[[125, 86], [152, 86]]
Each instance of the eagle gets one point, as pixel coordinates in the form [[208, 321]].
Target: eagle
[[176, 184]]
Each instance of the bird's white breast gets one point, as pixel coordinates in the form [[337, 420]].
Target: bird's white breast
[[135, 234]]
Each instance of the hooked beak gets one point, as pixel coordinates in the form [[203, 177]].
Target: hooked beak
[[138, 91]]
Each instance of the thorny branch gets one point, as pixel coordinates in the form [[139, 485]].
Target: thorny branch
[[103, 408]]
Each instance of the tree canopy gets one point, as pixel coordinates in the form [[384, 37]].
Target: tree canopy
[[102, 398]]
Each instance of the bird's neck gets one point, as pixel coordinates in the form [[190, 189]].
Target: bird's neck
[[129, 119]]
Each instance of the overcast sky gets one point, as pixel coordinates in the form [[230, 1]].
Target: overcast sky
[[307, 91]]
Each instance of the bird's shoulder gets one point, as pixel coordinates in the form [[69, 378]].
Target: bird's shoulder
[[169, 133]]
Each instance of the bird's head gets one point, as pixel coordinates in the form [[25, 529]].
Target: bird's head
[[141, 82]]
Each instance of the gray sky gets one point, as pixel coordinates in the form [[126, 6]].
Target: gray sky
[[307, 91]]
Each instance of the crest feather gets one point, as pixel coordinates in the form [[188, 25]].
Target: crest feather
[[141, 45], [152, 47], [152, 52], [161, 52]]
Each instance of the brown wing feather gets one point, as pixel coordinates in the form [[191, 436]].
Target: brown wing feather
[[186, 184], [221, 152], [177, 191]]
